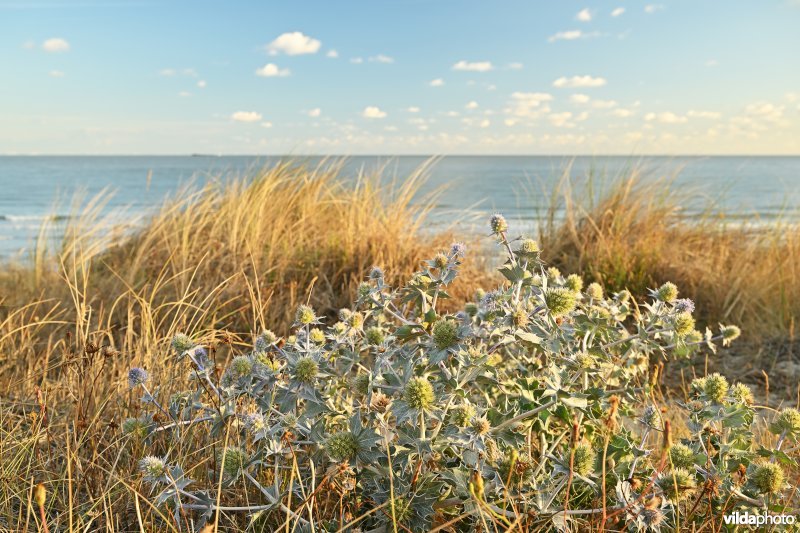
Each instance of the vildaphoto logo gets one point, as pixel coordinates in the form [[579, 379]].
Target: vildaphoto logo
[[748, 519]]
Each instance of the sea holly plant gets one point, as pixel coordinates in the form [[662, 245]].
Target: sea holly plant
[[535, 406]]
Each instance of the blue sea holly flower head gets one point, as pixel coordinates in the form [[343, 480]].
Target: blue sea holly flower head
[[684, 305], [458, 249], [137, 376], [376, 273], [498, 224]]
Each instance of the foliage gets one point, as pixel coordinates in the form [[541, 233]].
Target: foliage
[[534, 407]]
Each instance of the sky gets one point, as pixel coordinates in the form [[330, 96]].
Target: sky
[[400, 77]]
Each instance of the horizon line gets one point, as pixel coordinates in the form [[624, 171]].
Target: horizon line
[[300, 156]]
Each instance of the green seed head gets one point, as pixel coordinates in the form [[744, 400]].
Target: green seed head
[[519, 317], [742, 394], [339, 328], [584, 360], [440, 261], [460, 415], [375, 336], [305, 315], [560, 301], [305, 371], [528, 247], [266, 360], [182, 342], [681, 456], [342, 446], [480, 425], [553, 273], [595, 291], [317, 336], [360, 384], [445, 334], [498, 223], [419, 393], [233, 460], [135, 427], [668, 292], [730, 333], [769, 478], [678, 484], [789, 420], [684, 324], [716, 387], [241, 366], [623, 296], [355, 320], [471, 308], [364, 289], [265, 340], [584, 459], [574, 283]]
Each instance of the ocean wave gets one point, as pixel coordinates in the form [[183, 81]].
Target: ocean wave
[[34, 218]]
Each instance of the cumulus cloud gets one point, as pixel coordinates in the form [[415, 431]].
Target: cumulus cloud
[[703, 114], [293, 43], [569, 35], [665, 117], [561, 120], [584, 15], [652, 8], [618, 11], [604, 104], [472, 105], [473, 66], [529, 105], [314, 113], [55, 44], [56, 74], [712, 63], [266, 124], [438, 82], [413, 109], [333, 54], [579, 98], [515, 66], [184, 94], [380, 58], [271, 70], [579, 81], [167, 72], [373, 112], [356, 60], [765, 110], [202, 84], [622, 112], [246, 116]]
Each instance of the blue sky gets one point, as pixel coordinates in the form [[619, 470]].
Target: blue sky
[[399, 77]]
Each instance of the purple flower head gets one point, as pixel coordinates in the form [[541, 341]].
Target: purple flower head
[[684, 305], [137, 376]]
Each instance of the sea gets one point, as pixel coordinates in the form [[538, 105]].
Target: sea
[[37, 190]]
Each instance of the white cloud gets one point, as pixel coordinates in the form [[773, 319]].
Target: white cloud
[[569, 35], [246, 116], [618, 11], [652, 8], [438, 82], [561, 120], [314, 113], [622, 112], [373, 112], [579, 98], [712, 63], [579, 81], [666, 117], [55, 44], [293, 43], [333, 54], [604, 104], [202, 84], [765, 110], [167, 72], [356, 60], [485, 123], [413, 109], [515, 66], [184, 94], [473, 66], [472, 105], [266, 124], [271, 70], [29, 45], [56, 74], [529, 105], [704, 114], [584, 15], [380, 58]]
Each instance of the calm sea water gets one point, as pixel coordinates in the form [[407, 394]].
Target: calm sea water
[[37, 187]]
